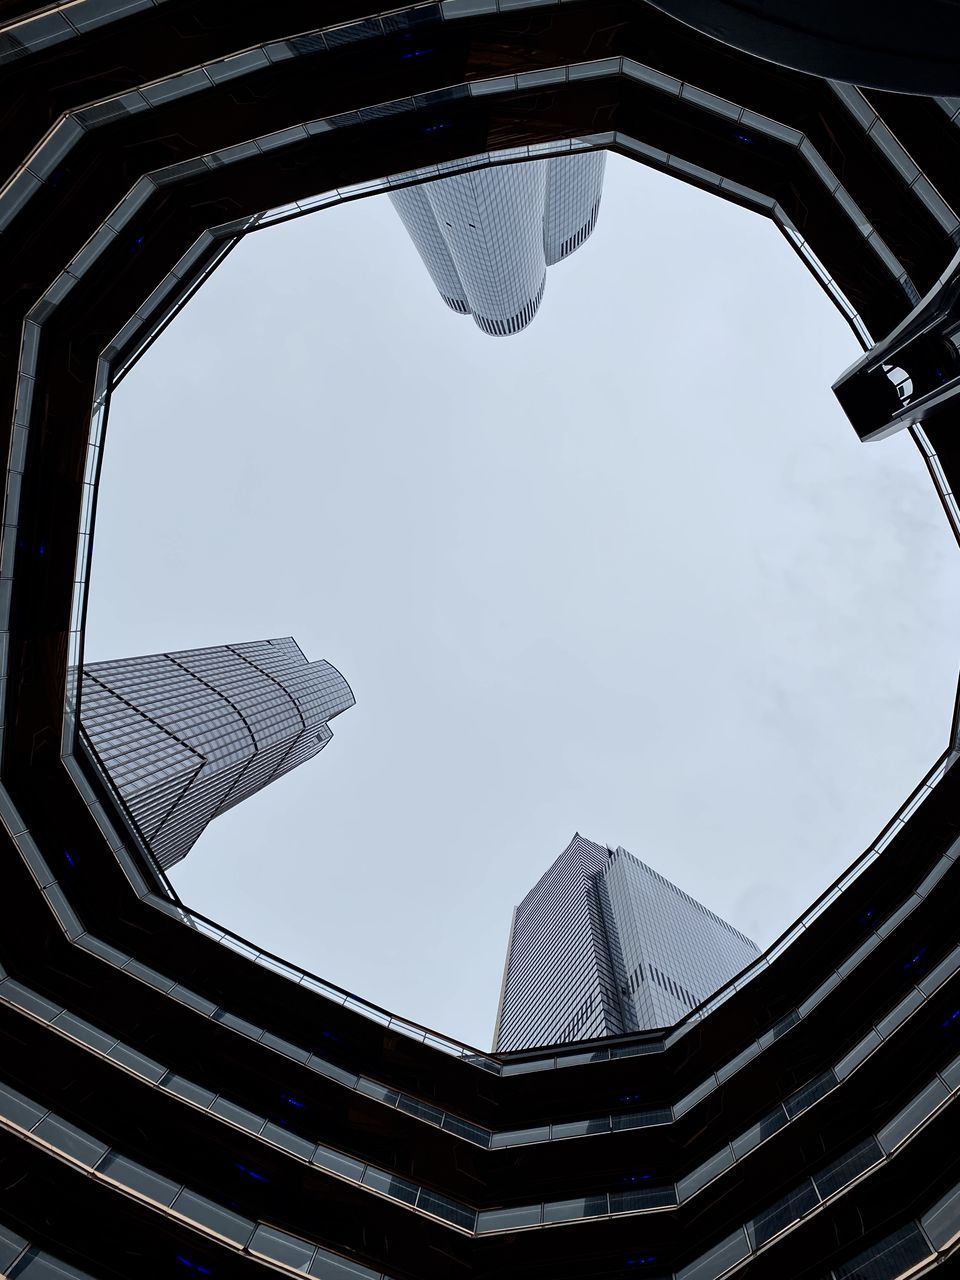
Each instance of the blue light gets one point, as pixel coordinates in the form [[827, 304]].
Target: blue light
[[42, 548], [194, 1266], [69, 857], [433, 128], [251, 1173], [294, 1102], [328, 1035], [913, 960], [953, 1017], [744, 137], [630, 1097], [639, 1262], [638, 1177], [416, 53]]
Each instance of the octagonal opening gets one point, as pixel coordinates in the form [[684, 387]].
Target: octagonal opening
[[627, 572]]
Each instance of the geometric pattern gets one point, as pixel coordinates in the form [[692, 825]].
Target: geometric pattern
[[604, 945], [185, 736]]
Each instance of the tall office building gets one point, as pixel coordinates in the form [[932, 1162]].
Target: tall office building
[[184, 736], [603, 945], [487, 237]]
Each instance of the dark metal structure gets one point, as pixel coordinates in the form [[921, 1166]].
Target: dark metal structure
[[882, 43], [173, 1101]]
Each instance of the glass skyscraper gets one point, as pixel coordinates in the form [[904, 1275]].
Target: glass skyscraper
[[487, 237], [603, 945], [184, 736]]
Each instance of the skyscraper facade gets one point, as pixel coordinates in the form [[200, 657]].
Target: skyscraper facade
[[487, 237], [184, 736], [604, 945]]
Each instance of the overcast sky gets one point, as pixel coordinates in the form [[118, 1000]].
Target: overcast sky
[[628, 573]]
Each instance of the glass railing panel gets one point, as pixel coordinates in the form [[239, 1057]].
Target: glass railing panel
[[733, 1066], [84, 1031], [335, 1162], [889, 1258], [249, 1029], [139, 1178], [950, 1074], [223, 1221], [942, 1222], [146, 1067], [719, 1259], [14, 1106], [332, 1071], [374, 1090], [11, 1248], [422, 1110], [327, 1266], [568, 1060], [694, 1096], [632, 1050], [38, 1265], [390, 1185], [816, 996], [526, 1215], [857, 1054], [241, 947], [947, 967], [641, 1119], [643, 1196], [809, 1094], [777, 1217], [896, 917], [843, 1171], [188, 1090], [582, 1207], [460, 1215], [899, 1014], [861, 952], [286, 1047], [276, 1245], [520, 1137], [408, 1029], [464, 1129], [525, 1068], [704, 1173], [935, 876], [291, 1142], [238, 1115], [763, 1129], [580, 1128], [779, 1028], [71, 1139], [191, 998], [913, 1114]]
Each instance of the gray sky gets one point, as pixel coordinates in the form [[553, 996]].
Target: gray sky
[[628, 572]]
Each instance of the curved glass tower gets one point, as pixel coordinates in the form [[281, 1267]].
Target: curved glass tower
[[487, 237], [185, 736]]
